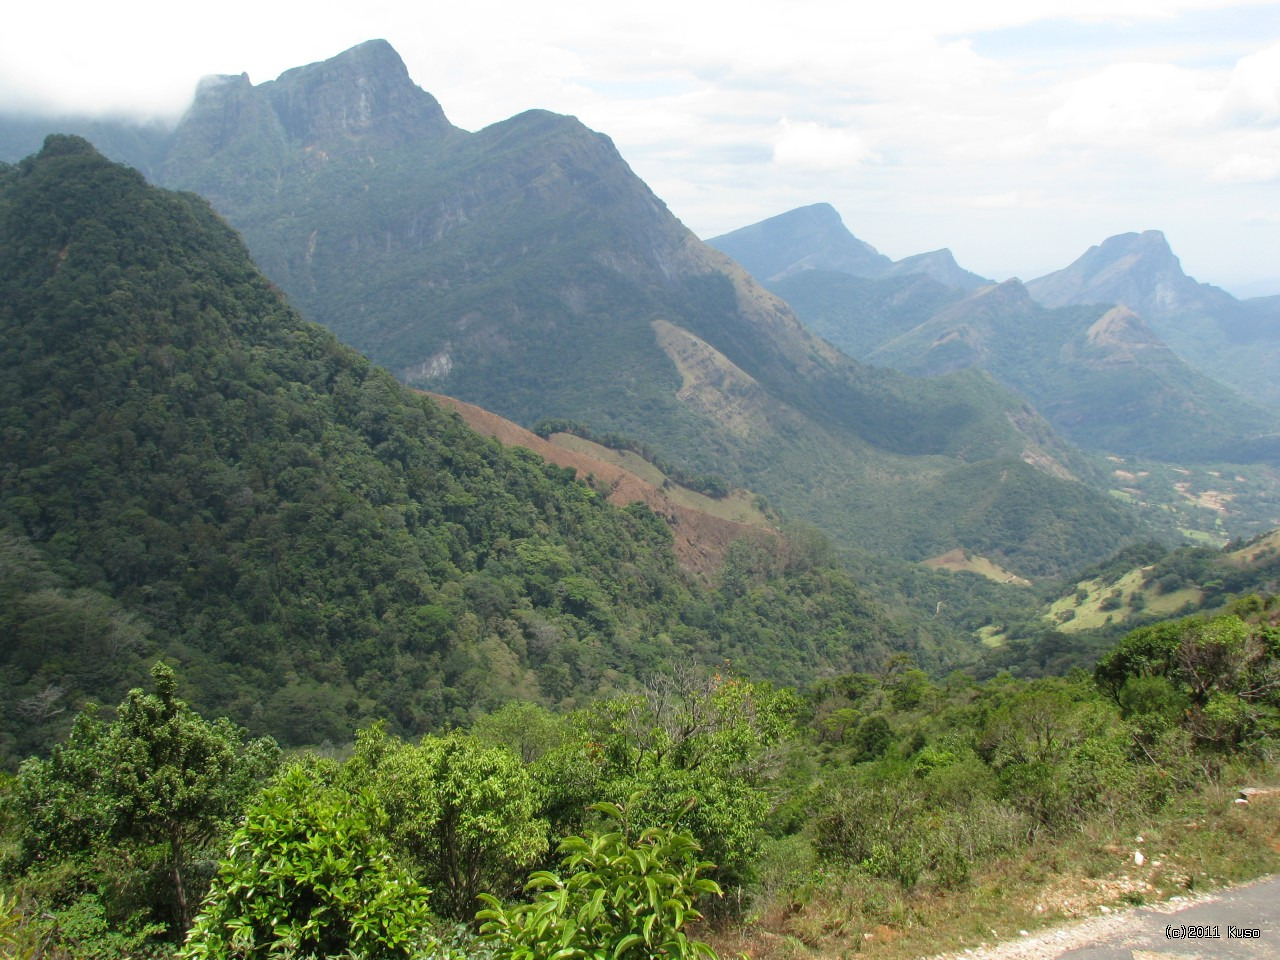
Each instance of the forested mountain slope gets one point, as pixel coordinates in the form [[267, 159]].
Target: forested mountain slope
[[525, 268], [191, 469]]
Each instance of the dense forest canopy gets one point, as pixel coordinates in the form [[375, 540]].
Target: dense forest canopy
[[190, 469]]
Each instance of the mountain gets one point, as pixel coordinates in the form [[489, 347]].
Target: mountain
[[1138, 270], [807, 238], [193, 471], [526, 269], [1102, 377], [815, 238], [1237, 342]]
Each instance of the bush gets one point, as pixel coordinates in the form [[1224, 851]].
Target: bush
[[619, 898], [309, 873]]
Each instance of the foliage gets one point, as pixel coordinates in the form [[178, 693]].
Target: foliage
[[460, 812], [176, 780], [309, 873], [20, 937], [698, 743], [194, 472], [617, 896], [1226, 672]]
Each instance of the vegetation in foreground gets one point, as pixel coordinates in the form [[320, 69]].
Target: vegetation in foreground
[[877, 812]]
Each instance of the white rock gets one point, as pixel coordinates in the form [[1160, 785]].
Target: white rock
[[1138, 858]]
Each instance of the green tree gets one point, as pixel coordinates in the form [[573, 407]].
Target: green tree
[[461, 811], [309, 873], [697, 742], [617, 897], [175, 779]]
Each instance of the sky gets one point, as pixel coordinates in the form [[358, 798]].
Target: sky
[[1018, 133]]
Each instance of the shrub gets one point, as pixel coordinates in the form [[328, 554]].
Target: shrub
[[309, 873], [618, 898]]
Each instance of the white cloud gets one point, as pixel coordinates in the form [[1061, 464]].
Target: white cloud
[[817, 146], [1131, 101], [1248, 168], [1252, 95], [1013, 199]]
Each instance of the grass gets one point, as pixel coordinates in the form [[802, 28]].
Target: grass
[[1256, 552], [1073, 616], [992, 636], [1202, 537], [960, 559], [1199, 842]]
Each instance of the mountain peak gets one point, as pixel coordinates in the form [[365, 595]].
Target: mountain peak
[[1148, 243], [807, 238], [67, 145], [940, 265], [823, 214], [1138, 270], [373, 57], [358, 106], [360, 93]]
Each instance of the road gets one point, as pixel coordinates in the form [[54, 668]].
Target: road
[[1149, 933]]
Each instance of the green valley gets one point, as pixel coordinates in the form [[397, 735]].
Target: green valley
[[660, 627]]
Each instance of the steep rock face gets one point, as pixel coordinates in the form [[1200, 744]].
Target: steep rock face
[[238, 143], [364, 93], [1138, 270]]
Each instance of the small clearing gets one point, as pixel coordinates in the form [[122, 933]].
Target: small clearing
[[1112, 602], [738, 507], [960, 559]]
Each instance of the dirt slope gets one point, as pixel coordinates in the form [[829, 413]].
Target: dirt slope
[[701, 540]]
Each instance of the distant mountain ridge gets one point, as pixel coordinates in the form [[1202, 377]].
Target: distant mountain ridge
[[1101, 375], [815, 238], [1235, 341], [1138, 270]]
